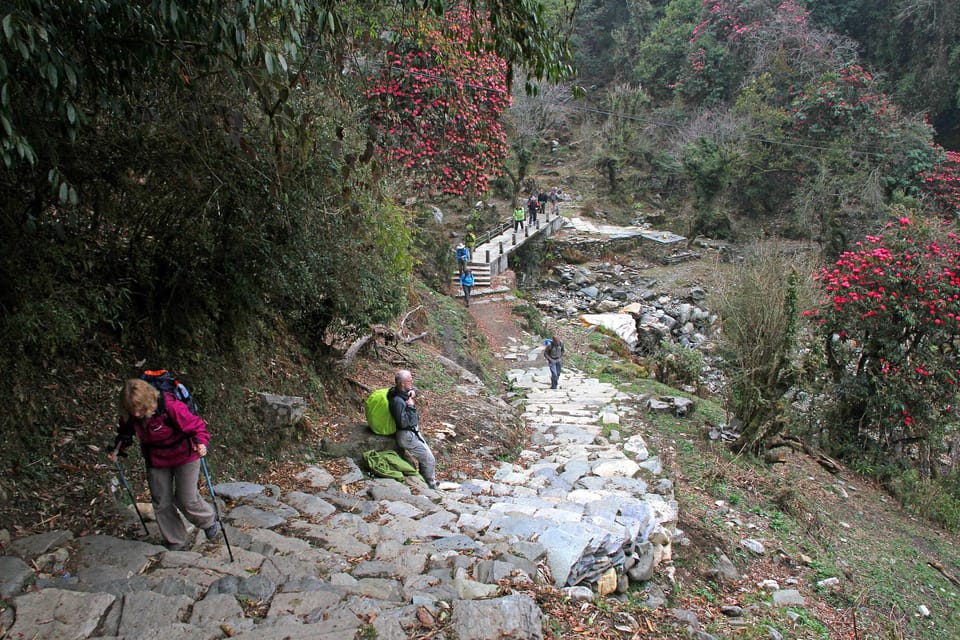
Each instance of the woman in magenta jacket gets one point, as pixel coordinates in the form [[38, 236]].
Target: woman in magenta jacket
[[172, 440]]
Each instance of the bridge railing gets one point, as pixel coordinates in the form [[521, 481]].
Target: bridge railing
[[487, 236]]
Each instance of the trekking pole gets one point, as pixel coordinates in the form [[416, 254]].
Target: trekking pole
[[216, 508], [126, 485]]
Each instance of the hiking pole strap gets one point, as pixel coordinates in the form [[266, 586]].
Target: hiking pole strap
[[133, 500], [216, 508]]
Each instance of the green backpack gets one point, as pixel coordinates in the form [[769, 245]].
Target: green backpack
[[389, 464], [378, 414]]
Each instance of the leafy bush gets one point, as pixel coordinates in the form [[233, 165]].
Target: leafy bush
[[532, 319], [937, 500], [759, 314], [677, 365]]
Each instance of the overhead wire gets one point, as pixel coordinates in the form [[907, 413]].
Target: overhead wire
[[641, 119]]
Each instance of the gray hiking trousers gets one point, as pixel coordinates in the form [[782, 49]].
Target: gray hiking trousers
[[176, 488], [412, 442]]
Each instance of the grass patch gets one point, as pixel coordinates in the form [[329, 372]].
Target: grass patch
[[531, 319]]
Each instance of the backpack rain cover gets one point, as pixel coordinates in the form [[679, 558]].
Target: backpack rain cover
[[378, 414]]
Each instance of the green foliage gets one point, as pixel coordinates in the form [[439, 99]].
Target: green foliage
[[708, 167], [662, 55], [677, 365], [916, 43], [759, 311], [605, 38], [934, 499], [532, 319]]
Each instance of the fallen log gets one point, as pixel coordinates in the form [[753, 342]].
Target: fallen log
[[382, 334], [795, 443], [946, 574]]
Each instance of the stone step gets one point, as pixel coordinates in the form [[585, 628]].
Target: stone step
[[482, 291], [481, 274]]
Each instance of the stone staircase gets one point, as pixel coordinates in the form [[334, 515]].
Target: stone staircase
[[481, 275], [482, 280]]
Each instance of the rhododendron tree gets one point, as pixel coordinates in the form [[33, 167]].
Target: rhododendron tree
[[942, 185], [846, 101], [437, 104], [735, 40], [891, 321]]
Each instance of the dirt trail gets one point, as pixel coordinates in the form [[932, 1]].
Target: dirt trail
[[495, 318]]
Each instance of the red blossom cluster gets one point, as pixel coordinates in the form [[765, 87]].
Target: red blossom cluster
[[724, 20], [731, 21], [438, 104], [847, 100], [942, 184], [728, 26], [895, 303]]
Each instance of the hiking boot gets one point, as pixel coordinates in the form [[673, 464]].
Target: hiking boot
[[432, 484], [213, 530], [176, 547]]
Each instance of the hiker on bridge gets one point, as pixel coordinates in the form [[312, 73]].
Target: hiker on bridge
[[402, 398], [554, 199], [518, 218], [542, 199], [533, 206], [172, 440]]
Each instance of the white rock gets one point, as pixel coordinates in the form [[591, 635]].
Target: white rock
[[753, 545]]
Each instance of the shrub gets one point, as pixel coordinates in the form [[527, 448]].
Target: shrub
[[532, 319], [937, 500], [677, 365], [759, 315], [890, 320]]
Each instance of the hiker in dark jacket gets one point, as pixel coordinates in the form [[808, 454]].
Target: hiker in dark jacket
[[402, 400], [532, 206], [554, 355], [172, 440], [542, 199]]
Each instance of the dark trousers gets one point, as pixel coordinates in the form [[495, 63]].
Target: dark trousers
[[554, 373]]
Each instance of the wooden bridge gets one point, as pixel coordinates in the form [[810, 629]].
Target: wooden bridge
[[493, 248]]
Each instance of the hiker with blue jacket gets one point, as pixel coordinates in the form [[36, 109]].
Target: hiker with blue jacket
[[466, 283], [463, 257], [172, 440], [402, 400]]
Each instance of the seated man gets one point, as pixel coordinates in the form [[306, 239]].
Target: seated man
[[401, 397]]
